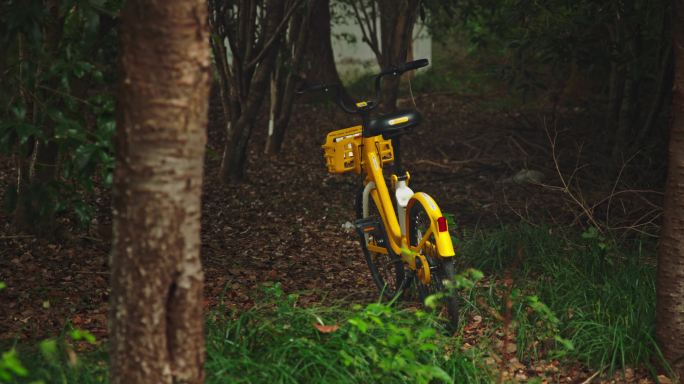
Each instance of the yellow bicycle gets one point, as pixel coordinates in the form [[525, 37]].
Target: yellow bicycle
[[407, 248]]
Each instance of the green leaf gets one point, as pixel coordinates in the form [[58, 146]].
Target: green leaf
[[83, 156], [432, 301], [19, 112], [2, 285], [426, 333], [476, 274], [590, 233], [438, 373], [25, 130], [428, 347], [108, 178], [567, 344], [10, 362], [48, 348], [395, 340], [81, 334], [359, 324], [347, 359]]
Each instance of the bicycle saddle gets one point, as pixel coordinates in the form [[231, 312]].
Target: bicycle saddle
[[393, 124]]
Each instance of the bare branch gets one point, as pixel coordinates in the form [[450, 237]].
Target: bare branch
[[274, 36], [368, 32]]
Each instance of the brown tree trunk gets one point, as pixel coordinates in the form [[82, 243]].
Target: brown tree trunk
[[38, 169], [221, 58], [397, 19], [21, 217], [663, 78], [287, 80], [628, 116], [319, 62], [235, 150], [156, 304], [670, 278]]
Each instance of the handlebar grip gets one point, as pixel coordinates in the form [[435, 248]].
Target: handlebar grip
[[401, 68], [411, 65], [317, 87]]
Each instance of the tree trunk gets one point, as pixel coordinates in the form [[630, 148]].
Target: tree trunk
[[397, 19], [288, 79], [663, 78], [629, 111], [276, 100], [319, 62], [252, 96], [23, 203], [21, 217], [221, 58], [156, 304], [670, 278]]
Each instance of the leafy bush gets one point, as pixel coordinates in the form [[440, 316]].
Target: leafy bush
[[57, 104], [279, 341]]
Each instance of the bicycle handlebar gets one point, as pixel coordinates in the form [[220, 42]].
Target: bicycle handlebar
[[370, 105], [327, 88], [401, 68], [411, 65], [315, 88]]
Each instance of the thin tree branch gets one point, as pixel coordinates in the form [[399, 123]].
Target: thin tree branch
[[274, 36]]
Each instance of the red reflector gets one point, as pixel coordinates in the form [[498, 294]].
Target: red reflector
[[442, 224]]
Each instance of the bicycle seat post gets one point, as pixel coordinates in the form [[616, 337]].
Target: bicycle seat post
[[398, 166]]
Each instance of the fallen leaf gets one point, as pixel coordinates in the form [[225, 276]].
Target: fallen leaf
[[326, 328], [511, 348]]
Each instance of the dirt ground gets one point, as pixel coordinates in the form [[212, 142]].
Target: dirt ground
[[286, 221]]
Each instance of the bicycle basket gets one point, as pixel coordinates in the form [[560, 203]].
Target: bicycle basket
[[342, 150]]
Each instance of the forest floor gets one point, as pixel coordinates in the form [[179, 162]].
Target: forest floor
[[287, 221]]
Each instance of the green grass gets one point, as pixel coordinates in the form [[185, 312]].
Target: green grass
[[277, 342], [603, 297]]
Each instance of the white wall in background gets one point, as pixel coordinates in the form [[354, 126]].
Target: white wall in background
[[355, 59]]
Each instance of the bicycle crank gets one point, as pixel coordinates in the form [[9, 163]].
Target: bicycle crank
[[423, 269]]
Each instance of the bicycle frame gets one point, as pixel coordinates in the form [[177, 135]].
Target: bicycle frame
[[397, 223]]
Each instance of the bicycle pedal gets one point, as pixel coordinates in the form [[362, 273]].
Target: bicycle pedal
[[367, 224]]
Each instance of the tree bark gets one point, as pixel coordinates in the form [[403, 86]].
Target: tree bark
[[397, 19], [663, 78], [221, 59], [288, 78], [156, 304], [628, 116], [21, 217], [319, 61], [249, 83], [670, 278]]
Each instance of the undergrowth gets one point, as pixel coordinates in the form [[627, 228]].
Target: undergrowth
[[279, 342], [603, 296]]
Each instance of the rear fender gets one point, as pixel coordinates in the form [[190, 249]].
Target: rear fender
[[443, 241]]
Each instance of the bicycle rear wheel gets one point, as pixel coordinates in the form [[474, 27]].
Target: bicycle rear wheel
[[387, 269], [441, 268]]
